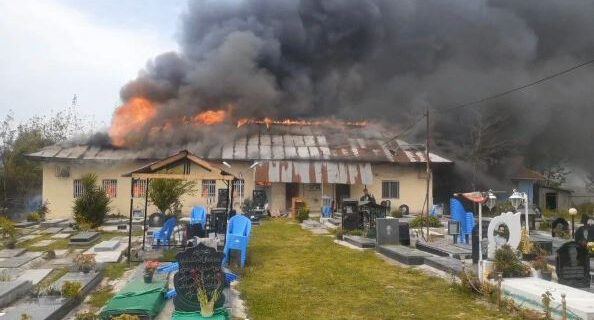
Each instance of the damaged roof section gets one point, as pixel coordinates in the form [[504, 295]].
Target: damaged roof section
[[276, 143], [314, 172]]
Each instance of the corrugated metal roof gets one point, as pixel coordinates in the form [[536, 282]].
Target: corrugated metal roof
[[288, 171], [295, 143]]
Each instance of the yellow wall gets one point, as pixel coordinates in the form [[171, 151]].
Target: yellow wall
[[59, 191]]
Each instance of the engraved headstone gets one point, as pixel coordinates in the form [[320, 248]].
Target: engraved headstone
[[573, 265], [351, 219], [156, 220], [199, 261], [387, 231], [559, 227]]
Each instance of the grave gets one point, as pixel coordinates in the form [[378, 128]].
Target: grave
[[403, 254], [51, 230], [545, 243], [573, 265], [10, 291], [61, 236], [26, 224], [559, 227], [19, 261], [34, 275], [68, 230], [496, 233], [10, 253], [87, 280], [53, 223], [445, 264], [359, 241], [387, 231], [528, 292], [84, 238], [444, 248], [107, 251], [43, 243], [27, 238], [199, 263]]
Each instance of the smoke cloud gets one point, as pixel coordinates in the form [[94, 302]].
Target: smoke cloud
[[386, 60]]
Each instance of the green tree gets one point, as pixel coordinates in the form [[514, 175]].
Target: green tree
[[93, 205], [165, 194]]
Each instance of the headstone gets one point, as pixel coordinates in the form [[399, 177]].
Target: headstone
[[573, 265], [584, 234], [84, 238], [559, 227], [223, 198], [218, 220], [387, 231], [156, 220], [259, 197], [496, 232], [351, 219], [404, 233], [197, 262]]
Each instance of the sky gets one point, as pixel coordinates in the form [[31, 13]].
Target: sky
[[51, 50]]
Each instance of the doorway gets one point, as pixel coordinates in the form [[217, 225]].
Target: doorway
[[343, 191], [551, 200], [292, 191]]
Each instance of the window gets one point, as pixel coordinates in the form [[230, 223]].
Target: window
[[139, 188], [110, 186], [78, 188], [209, 190], [390, 189], [238, 187]]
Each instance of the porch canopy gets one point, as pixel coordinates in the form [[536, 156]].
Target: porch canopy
[[289, 171], [181, 166]]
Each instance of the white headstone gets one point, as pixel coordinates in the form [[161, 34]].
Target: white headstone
[[512, 221]]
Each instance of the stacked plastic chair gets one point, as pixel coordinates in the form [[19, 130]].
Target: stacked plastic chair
[[198, 216], [239, 231], [466, 219], [163, 236]]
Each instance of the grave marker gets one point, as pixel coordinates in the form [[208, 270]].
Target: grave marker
[[559, 227], [387, 231], [573, 265], [202, 260]]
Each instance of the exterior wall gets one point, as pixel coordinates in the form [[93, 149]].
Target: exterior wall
[[59, 191]]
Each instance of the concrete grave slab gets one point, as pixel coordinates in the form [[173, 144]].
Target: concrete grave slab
[[10, 291], [26, 224], [528, 292], [27, 238], [51, 230], [43, 243], [108, 245], [84, 238], [445, 248], [34, 275], [403, 254], [104, 255], [360, 242], [9, 253], [68, 230], [61, 236], [20, 261], [445, 264], [52, 223]]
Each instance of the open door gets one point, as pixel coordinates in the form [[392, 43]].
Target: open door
[[342, 191], [292, 190]]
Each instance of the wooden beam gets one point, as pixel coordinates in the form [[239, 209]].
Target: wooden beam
[[178, 176]]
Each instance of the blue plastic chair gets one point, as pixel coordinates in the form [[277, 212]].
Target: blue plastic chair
[[238, 237], [198, 216], [466, 219], [162, 236]]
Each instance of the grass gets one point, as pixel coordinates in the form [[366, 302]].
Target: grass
[[100, 297], [116, 270], [292, 274]]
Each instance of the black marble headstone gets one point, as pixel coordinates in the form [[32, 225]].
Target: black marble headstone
[[259, 197], [218, 220], [199, 260], [559, 225], [387, 231], [351, 219], [223, 198], [573, 265], [404, 233], [584, 234]]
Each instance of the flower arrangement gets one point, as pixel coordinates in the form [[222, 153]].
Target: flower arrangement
[[85, 262], [590, 247], [207, 305], [149, 270]]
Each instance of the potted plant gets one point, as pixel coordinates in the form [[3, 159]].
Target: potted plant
[[540, 264], [149, 270], [85, 262]]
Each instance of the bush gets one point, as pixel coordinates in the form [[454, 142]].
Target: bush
[[421, 221], [71, 289], [165, 194], [25, 316], [34, 216], [508, 263], [396, 213], [86, 316], [302, 214], [92, 207], [8, 231]]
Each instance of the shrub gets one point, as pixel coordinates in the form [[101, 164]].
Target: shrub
[[508, 263], [421, 221], [71, 289], [34, 216], [92, 206], [302, 214], [86, 316], [25, 316], [50, 254], [126, 317], [396, 213], [165, 194], [8, 231], [85, 261]]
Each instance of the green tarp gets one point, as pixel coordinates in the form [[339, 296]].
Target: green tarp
[[220, 314], [138, 298]]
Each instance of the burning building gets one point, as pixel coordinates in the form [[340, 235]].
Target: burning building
[[305, 160]]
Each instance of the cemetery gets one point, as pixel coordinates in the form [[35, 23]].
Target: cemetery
[[220, 263]]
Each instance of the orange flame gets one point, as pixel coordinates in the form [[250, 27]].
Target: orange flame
[[135, 113], [299, 122], [210, 117]]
